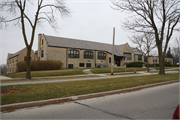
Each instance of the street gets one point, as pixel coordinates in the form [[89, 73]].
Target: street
[[150, 103]]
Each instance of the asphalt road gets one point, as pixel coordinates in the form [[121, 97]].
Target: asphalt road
[[79, 79], [150, 103]]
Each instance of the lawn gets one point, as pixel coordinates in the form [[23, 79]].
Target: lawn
[[108, 70], [65, 89], [47, 73]]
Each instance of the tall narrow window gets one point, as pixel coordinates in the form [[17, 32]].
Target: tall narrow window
[[42, 53], [139, 58], [109, 59], [16, 59], [42, 41]]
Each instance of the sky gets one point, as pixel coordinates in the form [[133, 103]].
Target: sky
[[91, 20]]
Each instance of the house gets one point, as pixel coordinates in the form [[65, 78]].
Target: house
[[81, 53], [13, 59], [155, 60]]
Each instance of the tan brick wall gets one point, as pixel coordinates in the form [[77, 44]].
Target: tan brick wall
[[136, 58], [169, 60], [127, 49], [11, 63], [150, 60], [42, 45]]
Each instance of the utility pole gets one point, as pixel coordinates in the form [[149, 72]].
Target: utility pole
[[113, 52]]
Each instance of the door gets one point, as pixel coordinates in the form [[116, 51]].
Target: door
[[118, 61]]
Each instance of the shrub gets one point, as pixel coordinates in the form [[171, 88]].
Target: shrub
[[135, 64], [167, 64], [152, 65], [40, 65]]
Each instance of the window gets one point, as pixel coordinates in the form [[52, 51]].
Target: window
[[16, 59], [10, 61], [128, 56], [13, 60], [81, 64], [154, 60], [88, 64], [109, 59], [42, 41], [139, 58], [42, 53], [73, 54], [70, 65], [88, 55], [101, 56], [25, 58]]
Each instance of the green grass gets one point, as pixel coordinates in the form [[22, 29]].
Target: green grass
[[47, 73], [108, 70], [65, 89]]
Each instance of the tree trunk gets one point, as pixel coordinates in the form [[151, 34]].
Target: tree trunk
[[148, 63], [28, 66], [161, 60]]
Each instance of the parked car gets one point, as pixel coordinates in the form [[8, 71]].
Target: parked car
[[176, 113]]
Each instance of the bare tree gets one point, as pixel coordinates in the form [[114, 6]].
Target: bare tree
[[145, 42], [176, 51], [17, 13], [159, 16], [3, 69]]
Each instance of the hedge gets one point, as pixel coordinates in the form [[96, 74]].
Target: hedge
[[139, 64], [40, 65], [135, 64]]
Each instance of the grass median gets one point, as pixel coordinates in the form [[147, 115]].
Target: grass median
[[47, 73], [35, 92], [108, 70]]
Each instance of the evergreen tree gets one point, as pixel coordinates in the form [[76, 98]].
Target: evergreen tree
[[169, 54]]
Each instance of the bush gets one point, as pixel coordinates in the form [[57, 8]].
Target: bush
[[40, 65], [152, 65], [167, 64], [135, 64]]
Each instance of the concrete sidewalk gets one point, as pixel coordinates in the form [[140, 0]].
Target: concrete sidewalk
[[4, 78], [81, 79], [40, 103]]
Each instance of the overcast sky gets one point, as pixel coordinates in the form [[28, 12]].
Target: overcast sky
[[91, 20]]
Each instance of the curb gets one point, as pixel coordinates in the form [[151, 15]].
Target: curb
[[11, 107]]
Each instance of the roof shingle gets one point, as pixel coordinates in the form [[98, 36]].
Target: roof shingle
[[82, 44]]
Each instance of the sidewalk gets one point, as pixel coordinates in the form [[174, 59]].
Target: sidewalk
[[81, 79]]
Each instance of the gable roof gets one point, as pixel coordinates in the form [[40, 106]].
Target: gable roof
[[81, 44], [136, 51], [14, 54]]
